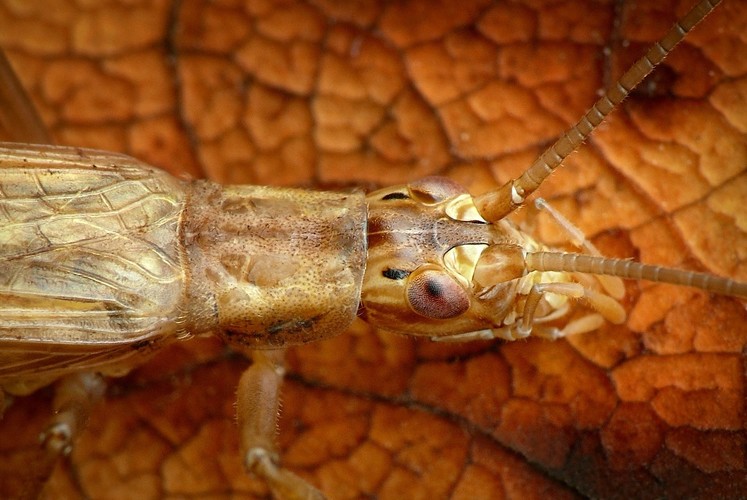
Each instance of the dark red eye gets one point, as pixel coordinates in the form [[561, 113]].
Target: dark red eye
[[434, 189], [434, 294]]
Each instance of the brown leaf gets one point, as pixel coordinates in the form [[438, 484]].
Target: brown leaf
[[335, 94]]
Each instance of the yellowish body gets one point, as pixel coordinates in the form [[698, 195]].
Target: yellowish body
[[104, 259]]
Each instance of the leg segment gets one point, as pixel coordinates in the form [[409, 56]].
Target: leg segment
[[75, 396], [258, 401]]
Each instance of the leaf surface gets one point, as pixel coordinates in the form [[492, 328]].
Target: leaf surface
[[334, 95]]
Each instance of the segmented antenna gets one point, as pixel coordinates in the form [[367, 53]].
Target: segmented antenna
[[630, 269], [495, 205]]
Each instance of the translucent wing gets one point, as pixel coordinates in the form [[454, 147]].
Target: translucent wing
[[90, 267]]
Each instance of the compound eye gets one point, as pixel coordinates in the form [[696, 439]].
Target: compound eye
[[430, 190], [433, 293]]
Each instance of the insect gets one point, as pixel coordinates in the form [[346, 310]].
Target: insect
[[508, 350]]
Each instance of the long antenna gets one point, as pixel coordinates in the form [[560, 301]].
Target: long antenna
[[495, 205], [629, 269]]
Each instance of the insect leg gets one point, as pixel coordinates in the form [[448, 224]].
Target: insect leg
[[257, 407], [75, 396]]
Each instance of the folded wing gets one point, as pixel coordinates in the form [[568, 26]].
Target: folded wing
[[90, 266]]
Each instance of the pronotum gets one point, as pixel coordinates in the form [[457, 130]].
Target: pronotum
[[737, 179]]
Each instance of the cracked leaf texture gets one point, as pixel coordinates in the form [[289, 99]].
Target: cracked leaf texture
[[339, 94]]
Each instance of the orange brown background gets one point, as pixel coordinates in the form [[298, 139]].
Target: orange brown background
[[340, 94]]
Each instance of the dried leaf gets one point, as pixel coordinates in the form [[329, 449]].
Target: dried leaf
[[335, 94]]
